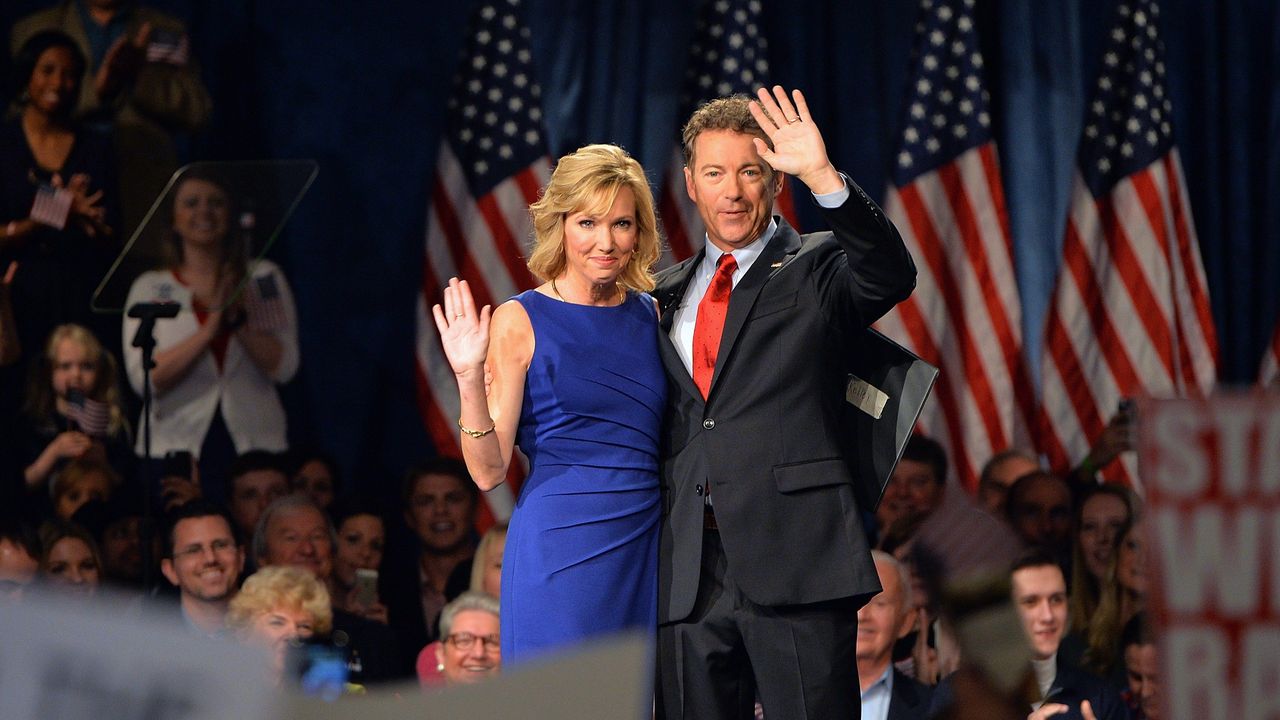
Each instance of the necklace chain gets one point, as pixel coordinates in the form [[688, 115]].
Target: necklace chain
[[621, 291]]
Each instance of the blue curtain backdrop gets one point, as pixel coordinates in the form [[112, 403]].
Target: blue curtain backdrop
[[361, 87]]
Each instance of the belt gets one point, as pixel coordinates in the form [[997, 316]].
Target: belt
[[709, 519]]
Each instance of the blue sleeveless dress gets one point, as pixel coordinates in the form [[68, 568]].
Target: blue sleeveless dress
[[582, 550]]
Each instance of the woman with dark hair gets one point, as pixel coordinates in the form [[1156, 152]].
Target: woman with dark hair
[[235, 338], [56, 180], [357, 558]]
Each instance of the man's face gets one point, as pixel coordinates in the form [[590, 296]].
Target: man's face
[[299, 536], [441, 512], [251, 493], [1043, 513], [732, 187], [915, 486], [1143, 667], [17, 571], [992, 494], [1040, 594], [884, 619], [206, 561]]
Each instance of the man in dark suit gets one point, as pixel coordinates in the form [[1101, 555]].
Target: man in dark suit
[[763, 559], [887, 694]]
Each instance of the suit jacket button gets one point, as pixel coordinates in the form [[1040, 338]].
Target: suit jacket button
[[708, 424], [698, 488]]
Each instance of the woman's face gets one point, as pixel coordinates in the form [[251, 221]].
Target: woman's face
[[597, 248], [360, 542], [1101, 519], [54, 84], [492, 582], [201, 213], [1131, 561], [92, 485], [70, 566], [73, 367], [277, 629], [471, 652]]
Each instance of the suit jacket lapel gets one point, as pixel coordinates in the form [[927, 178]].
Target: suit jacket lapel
[[669, 294], [785, 241]]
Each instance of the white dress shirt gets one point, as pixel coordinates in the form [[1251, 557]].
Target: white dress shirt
[[686, 313]]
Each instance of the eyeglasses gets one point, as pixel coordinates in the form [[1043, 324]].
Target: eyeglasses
[[219, 546], [464, 641]]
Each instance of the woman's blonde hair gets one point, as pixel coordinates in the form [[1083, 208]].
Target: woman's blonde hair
[[280, 586], [40, 396], [588, 180], [495, 534]]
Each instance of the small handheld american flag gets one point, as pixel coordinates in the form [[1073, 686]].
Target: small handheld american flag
[[262, 302], [52, 206], [87, 415]]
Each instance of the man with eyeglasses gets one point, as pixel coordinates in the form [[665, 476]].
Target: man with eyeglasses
[[469, 649], [204, 561]]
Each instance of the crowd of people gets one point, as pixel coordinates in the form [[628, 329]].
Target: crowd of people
[[266, 544]]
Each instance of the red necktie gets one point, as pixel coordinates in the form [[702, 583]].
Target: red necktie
[[710, 323]]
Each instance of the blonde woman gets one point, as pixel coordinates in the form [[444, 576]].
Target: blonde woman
[[578, 384], [276, 607]]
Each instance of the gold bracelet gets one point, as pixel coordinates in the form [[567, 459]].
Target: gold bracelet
[[475, 433]]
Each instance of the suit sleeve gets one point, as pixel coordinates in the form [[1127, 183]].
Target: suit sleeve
[[871, 272]]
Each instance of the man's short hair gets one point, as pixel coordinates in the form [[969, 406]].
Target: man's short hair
[[254, 460], [191, 510], [1137, 631], [452, 467], [731, 113], [295, 501], [928, 451], [1020, 487], [1036, 557], [904, 574]]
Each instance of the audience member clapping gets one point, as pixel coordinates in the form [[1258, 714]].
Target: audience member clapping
[[278, 607], [362, 538], [63, 243], [70, 561], [218, 362], [469, 649], [140, 81]]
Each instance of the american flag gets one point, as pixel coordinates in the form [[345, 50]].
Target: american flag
[[52, 206], [1270, 370], [88, 415], [1130, 313], [947, 200], [264, 305], [729, 55], [491, 165]]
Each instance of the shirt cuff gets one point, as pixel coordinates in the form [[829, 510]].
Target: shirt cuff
[[833, 199]]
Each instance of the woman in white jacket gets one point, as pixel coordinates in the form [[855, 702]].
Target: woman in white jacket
[[219, 360]]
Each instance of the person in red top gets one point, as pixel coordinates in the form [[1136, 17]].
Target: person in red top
[[219, 360]]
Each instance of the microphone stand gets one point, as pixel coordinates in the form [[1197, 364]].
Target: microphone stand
[[145, 340]]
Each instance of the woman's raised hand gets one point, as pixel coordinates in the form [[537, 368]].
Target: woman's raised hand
[[463, 331]]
